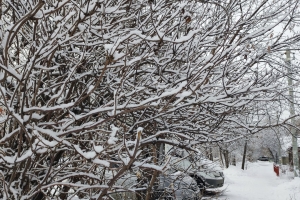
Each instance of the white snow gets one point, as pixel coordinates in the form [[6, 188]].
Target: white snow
[[151, 166], [140, 129], [39, 14], [259, 182], [57, 18], [113, 139], [101, 162], [87, 155], [98, 149]]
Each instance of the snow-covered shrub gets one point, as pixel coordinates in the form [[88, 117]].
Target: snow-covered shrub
[[78, 78]]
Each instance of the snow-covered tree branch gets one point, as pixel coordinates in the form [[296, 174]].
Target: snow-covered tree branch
[[80, 78]]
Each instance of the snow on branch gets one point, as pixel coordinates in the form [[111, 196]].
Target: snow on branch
[[91, 91]]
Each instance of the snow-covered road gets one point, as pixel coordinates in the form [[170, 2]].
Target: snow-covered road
[[259, 182]]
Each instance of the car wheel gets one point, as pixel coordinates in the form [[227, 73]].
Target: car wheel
[[158, 194], [200, 182], [202, 191]]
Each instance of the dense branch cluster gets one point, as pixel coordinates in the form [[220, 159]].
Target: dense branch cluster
[[79, 78]]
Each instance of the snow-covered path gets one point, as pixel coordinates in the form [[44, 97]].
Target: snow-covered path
[[259, 182]]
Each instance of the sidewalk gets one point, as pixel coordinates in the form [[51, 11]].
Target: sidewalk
[[259, 182]]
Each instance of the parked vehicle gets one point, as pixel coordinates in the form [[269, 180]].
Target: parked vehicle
[[171, 186], [211, 173], [207, 174], [263, 158], [178, 186]]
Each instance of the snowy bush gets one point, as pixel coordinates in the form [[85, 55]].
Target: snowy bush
[[79, 78]]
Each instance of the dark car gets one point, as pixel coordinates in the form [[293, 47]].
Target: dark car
[[174, 186], [263, 158], [207, 174], [179, 185]]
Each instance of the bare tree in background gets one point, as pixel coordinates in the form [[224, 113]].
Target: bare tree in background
[[90, 89]]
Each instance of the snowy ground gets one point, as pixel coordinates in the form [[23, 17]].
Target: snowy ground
[[258, 182]]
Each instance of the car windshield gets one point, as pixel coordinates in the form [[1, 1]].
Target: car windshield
[[181, 164]]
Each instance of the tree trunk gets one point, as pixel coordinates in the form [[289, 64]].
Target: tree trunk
[[233, 161], [226, 158], [221, 157], [210, 154], [154, 176], [244, 155]]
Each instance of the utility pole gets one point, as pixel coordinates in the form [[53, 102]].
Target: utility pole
[[292, 113], [279, 143]]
